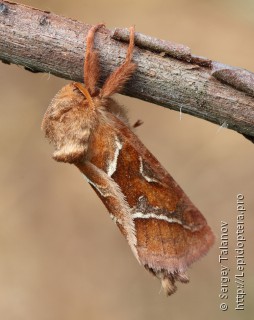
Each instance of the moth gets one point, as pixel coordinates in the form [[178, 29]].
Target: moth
[[89, 129]]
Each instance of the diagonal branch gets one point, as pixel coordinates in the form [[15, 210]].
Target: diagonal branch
[[167, 74]]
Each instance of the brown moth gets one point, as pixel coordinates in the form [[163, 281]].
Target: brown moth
[[165, 231]]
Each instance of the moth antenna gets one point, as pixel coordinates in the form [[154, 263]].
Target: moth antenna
[[91, 63], [117, 79]]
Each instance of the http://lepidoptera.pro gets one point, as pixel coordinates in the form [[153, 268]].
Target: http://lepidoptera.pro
[[165, 231]]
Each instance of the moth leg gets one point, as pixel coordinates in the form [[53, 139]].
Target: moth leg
[[137, 123], [117, 79], [91, 63]]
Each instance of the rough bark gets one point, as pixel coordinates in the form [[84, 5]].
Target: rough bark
[[167, 74]]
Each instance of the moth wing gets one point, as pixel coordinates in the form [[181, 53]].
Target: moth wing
[[165, 230]]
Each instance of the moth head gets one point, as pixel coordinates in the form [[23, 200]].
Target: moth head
[[68, 123]]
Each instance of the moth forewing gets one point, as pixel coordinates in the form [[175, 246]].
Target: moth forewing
[[170, 232]]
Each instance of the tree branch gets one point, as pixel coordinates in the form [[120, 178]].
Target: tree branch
[[44, 42]]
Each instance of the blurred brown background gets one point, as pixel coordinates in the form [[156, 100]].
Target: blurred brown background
[[61, 257]]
